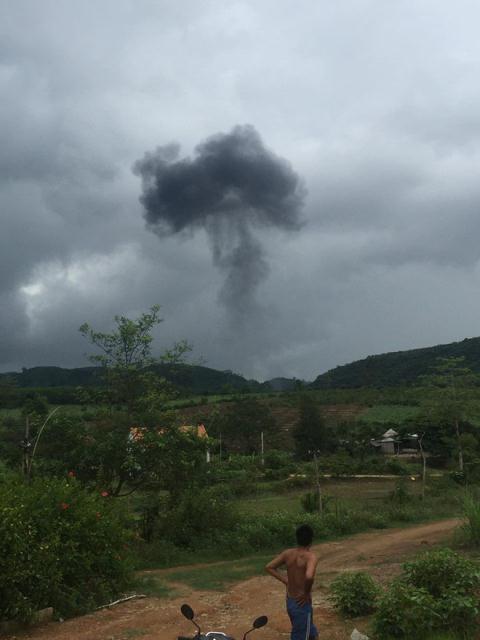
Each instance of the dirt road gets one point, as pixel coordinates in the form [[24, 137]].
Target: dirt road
[[380, 553]]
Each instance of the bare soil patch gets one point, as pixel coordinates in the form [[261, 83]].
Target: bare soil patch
[[380, 553]]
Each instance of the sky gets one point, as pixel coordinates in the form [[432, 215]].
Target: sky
[[295, 183]]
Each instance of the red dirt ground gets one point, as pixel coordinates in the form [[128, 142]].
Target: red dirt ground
[[380, 553]]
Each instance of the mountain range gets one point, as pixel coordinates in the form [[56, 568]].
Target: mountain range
[[400, 368]]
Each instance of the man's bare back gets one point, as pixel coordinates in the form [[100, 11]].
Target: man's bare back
[[301, 564]]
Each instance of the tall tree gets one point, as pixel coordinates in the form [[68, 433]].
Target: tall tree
[[310, 433], [450, 399], [127, 360], [241, 426]]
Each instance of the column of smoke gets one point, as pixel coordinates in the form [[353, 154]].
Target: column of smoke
[[232, 187]]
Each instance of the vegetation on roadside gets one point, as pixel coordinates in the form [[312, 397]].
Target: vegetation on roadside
[[60, 546], [438, 592], [354, 593], [238, 493]]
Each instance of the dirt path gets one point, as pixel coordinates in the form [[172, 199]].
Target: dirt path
[[380, 553]]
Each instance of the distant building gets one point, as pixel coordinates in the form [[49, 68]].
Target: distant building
[[137, 433], [388, 443]]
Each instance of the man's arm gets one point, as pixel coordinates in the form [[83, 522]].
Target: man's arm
[[309, 578], [272, 567]]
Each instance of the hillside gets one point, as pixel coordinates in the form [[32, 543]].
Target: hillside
[[194, 379], [398, 368]]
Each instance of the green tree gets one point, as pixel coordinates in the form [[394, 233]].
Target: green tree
[[242, 425], [127, 361], [449, 402], [310, 432], [9, 393]]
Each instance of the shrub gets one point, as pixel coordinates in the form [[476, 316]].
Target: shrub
[[396, 467], [311, 502], [198, 517], [400, 494], [59, 547], [472, 520], [405, 612], [437, 592], [354, 593]]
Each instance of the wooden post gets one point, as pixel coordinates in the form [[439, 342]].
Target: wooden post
[[424, 465], [317, 480], [263, 459], [26, 449]]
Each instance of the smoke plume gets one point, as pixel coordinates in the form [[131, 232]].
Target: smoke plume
[[232, 187]]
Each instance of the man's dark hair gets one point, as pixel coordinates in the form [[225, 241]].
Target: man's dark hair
[[304, 535]]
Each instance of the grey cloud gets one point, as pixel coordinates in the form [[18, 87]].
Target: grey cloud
[[375, 105]]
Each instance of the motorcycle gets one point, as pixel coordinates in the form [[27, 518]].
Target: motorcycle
[[188, 613]]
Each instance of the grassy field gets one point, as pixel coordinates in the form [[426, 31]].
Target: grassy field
[[389, 413], [349, 492]]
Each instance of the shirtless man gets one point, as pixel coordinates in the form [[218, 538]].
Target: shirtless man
[[301, 564]]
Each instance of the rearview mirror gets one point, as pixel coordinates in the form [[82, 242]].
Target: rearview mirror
[[187, 611], [260, 622]]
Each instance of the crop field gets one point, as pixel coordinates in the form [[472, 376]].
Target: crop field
[[363, 490], [389, 413]]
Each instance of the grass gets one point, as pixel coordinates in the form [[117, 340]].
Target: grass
[[153, 586], [218, 576], [389, 413], [471, 528], [365, 490]]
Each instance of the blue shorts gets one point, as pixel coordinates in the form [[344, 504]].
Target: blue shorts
[[301, 618]]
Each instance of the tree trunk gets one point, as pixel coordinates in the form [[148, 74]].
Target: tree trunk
[[459, 443], [317, 481]]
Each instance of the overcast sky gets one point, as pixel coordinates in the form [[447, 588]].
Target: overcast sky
[[369, 110]]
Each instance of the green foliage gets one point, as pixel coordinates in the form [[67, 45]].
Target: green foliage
[[400, 494], [354, 593], [438, 591], [311, 502], [471, 526], [126, 360], [401, 368], [310, 433], [102, 452], [59, 547], [406, 612], [389, 413], [242, 423], [199, 515]]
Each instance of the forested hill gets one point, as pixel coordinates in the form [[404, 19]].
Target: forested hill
[[194, 379], [398, 368]]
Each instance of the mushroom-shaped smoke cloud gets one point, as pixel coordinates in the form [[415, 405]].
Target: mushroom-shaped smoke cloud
[[231, 187]]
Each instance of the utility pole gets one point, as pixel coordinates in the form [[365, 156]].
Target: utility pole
[[317, 481], [26, 446], [262, 449], [424, 464]]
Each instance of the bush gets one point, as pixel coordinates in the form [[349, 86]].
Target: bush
[[354, 593], [405, 612], [400, 494], [437, 592], [472, 520], [311, 502], [59, 547], [198, 517]]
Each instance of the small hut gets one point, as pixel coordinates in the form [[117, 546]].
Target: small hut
[[388, 443]]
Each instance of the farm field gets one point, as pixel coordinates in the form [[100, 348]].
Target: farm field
[[227, 596], [363, 490]]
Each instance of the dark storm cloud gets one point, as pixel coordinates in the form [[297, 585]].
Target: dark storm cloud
[[375, 104], [232, 186]]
